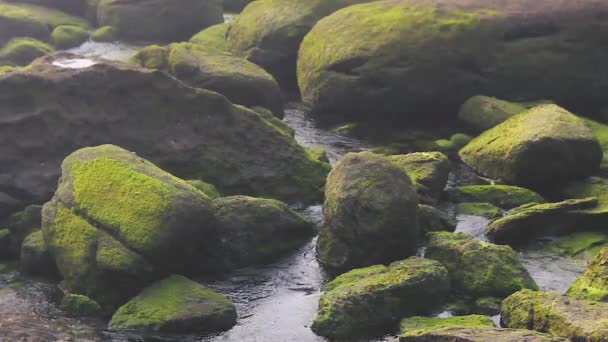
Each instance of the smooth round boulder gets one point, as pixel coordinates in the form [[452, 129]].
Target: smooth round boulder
[[22, 51], [409, 60], [68, 36], [539, 148], [158, 20], [370, 213]]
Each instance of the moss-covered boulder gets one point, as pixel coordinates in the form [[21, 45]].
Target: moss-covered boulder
[[431, 219], [76, 305], [148, 112], [144, 218], [593, 283], [68, 36], [481, 113], [502, 196], [104, 34], [18, 19], [239, 80], [408, 59], [22, 51], [35, 259], [589, 187], [428, 171], [158, 20], [583, 245], [256, 230], [478, 209], [419, 325], [533, 220], [541, 147], [477, 268], [5, 69], [370, 301], [554, 313], [268, 32], [370, 213], [176, 304], [212, 37], [450, 333]]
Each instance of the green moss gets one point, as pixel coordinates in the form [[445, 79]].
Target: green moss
[[208, 189], [22, 51], [78, 305], [478, 209], [349, 277], [484, 112], [212, 37], [44, 15], [584, 244], [152, 57], [418, 324], [318, 154], [428, 171], [593, 283], [105, 34], [5, 69], [68, 36], [431, 219], [502, 196]]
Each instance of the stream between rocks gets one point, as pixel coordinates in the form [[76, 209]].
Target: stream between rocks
[[275, 302]]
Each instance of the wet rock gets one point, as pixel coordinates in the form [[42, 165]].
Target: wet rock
[[8, 204], [474, 334], [502, 196], [554, 313], [477, 268], [158, 20], [370, 213], [254, 230], [22, 51], [212, 37], [481, 113], [69, 36], [428, 171], [593, 283], [369, 301], [268, 33], [35, 259], [533, 220], [240, 81], [147, 112], [22, 224], [118, 216], [80, 306], [478, 209], [431, 219], [542, 147], [176, 304], [406, 60]]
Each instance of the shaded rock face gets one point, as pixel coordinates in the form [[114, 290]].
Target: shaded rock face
[[269, 32], [412, 59], [176, 304], [71, 6], [428, 171], [554, 313], [481, 113], [431, 219], [158, 20], [370, 213], [35, 259], [593, 283], [542, 147], [479, 269], [48, 111], [365, 301], [117, 221], [242, 82]]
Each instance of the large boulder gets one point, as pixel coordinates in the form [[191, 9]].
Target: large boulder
[[411, 59], [554, 313], [370, 213], [477, 268], [63, 102], [428, 171], [117, 221], [539, 148], [255, 230], [212, 37], [593, 283], [370, 301], [158, 20], [240, 81], [269, 32], [176, 305]]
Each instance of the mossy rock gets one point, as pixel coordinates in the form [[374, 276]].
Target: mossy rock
[[370, 213], [75, 7], [239, 80], [76, 305], [23, 223], [176, 304], [589, 187], [255, 230], [593, 283], [533, 220], [477, 268], [541, 147], [158, 20], [502, 196], [318, 153], [581, 245], [554, 313], [428, 171], [487, 306], [104, 34], [368, 302], [212, 37], [416, 325], [453, 145], [269, 32], [478, 209], [481, 113], [387, 60], [5, 69], [22, 51], [208, 189], [475, 334], [35, 259], [431, 219], [68, 36]]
